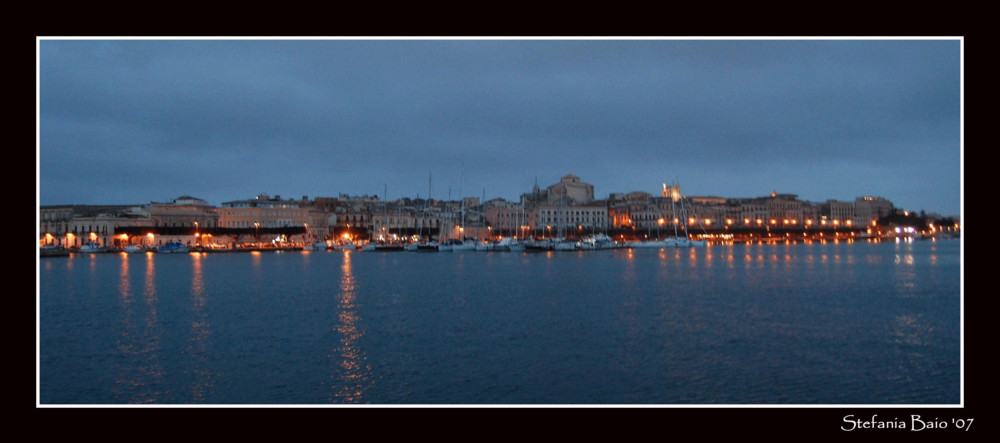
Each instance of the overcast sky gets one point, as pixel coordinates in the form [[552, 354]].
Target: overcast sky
[[130, 121]]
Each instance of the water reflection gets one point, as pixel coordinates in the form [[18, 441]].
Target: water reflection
[[906, 273], [197, 348], [355, 374], [126, 341], [139, 340]]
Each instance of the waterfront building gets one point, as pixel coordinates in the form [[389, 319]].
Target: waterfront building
[[628, 210], [322, 218], [265, 212], [753, 212], [566, 208], [501, 214], [396, 222], [869, 209], [74, 225], [706, 212], [784, 210], [835, 214], [570, 187], [178, 221], [53, 224], [98, 228], [563, 220]]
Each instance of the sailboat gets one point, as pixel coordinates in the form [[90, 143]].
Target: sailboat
[[385, 244], [517, 244], [686, 241], [463, 244]]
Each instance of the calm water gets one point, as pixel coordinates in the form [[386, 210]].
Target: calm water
[[847, 323]]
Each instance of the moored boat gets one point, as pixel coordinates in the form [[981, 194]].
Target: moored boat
[[597, 241], [173, 248], [539, 245], [467, 245], [564, 245], [52, 251], [502, 245], [92, 248], [428, 247], [389, 247], [648, 244], [134, 248]]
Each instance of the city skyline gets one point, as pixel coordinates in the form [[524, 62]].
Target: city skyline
[[124, 121]]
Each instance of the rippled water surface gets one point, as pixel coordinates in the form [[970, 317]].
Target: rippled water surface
[[821, 323]]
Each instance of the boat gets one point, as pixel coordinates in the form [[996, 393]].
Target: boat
[[563, 244], [655, 244], [52, 251], [676, 241], [597, 241], [539, 245], [174, 248], [431, 246], [92, 247], [134, 248], [502, 245], [347, 245], [459, 245], [509, 244], [516, 246], [389, 247], [686, 241]]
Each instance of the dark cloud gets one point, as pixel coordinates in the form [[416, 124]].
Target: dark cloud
[[227, 119]]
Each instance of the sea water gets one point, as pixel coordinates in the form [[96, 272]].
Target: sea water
[[822, 323]]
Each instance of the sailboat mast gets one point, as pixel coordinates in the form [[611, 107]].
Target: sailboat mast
[[673, 209], [462, 196], [684, 213]]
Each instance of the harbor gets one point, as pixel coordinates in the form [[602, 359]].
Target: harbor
[[736, 324], [564, 216]]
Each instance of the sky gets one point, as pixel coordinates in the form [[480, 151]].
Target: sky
[[132, 120]]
